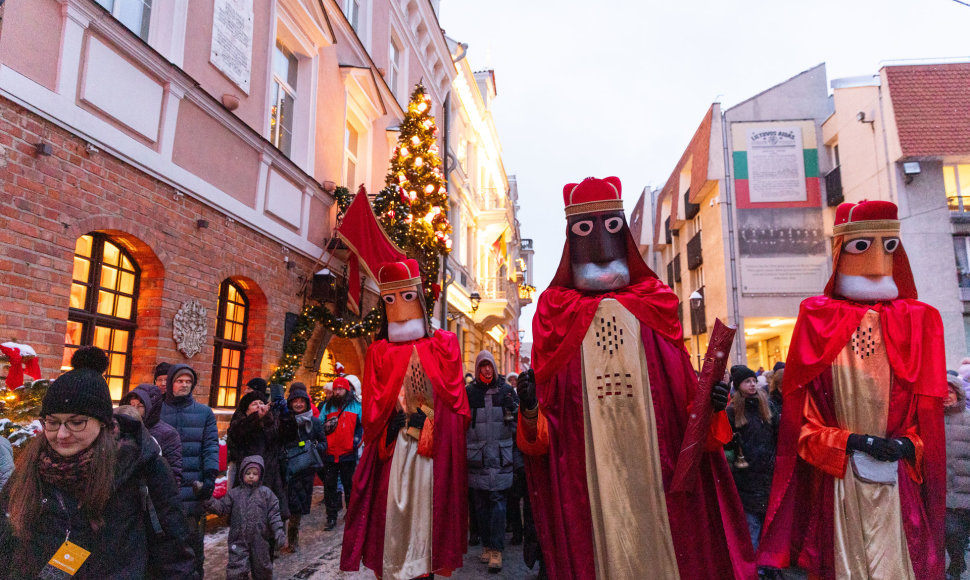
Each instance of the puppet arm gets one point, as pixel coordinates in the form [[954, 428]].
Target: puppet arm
[[821, 445], [532, 434]]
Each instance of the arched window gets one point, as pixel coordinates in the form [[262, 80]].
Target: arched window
[[104, 302], [230, 345]]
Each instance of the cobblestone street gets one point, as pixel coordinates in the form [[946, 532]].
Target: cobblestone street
[[319, 555]]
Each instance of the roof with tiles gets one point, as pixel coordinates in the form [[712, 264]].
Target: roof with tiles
[[932, 108]]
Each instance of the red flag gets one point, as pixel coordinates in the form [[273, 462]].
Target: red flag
[[368, 242]]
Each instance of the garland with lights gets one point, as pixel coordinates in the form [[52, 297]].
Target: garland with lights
[[311, 316], [343, 197], [412, 207]]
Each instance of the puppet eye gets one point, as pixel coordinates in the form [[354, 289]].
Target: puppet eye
[[389, 298], [582, 228], [409, 296], [890, 244], [613, 224], [858, 245]]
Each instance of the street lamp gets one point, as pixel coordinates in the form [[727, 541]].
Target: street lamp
[[476, 299], [696, 301]]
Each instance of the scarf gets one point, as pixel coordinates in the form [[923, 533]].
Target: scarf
[[68, 474], [305, 419]]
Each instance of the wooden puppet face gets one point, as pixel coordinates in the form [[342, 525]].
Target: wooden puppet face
[[865, 268], [597, 251]]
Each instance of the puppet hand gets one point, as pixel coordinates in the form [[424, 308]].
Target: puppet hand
[[417, 419], [906, 448], [877, 447], [719, 397], [396, 423], [526, 389]]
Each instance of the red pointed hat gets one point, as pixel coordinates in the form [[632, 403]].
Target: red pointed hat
[[593, 195], [866, 216], [397, 275]]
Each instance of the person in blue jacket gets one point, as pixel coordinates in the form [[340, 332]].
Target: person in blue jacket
[[196, 426]]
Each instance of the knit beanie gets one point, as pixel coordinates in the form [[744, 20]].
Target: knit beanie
[[247, 400], [161, 369], [82, 391], [257, 384], [739, 373]]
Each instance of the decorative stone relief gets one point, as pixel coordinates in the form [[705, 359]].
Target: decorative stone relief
[[188, 328]]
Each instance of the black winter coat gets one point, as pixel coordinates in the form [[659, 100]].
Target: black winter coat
[[758, 440], [490, 438], [168, 439], [196, 426], [126, 546], [299, 490], [255, 435]]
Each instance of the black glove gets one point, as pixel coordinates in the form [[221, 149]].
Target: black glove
[[417, 419], [526, 389], [880, 448], [396, 423], [719, 397], [203, 489], [509, 403], [906, 448]]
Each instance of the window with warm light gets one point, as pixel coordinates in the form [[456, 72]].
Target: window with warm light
[[134, 14], [283, 96], [103, 305], [230, 345], [956, 183]]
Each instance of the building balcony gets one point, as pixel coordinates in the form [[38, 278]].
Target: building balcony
[[833, 187], [694, 256], [495, 212]]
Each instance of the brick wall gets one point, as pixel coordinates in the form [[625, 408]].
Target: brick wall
[[47, 202]]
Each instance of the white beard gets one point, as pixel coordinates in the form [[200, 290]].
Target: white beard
[[601, 277], [408, 330], [865, 289]]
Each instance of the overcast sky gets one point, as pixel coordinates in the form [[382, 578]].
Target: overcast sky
[[619, 87]]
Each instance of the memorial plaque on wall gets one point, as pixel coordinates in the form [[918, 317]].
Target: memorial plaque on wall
[[232, 40], [781, 241]]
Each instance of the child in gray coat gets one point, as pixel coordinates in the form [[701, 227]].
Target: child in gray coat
[[254, 521]]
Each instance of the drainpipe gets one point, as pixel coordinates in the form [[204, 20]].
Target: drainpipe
[[445, 281], [740, 354]]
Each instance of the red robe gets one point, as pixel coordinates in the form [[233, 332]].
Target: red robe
[[708, 527], [384, 372], [799, 527]]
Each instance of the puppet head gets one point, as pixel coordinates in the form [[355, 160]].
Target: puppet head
[[595, 221], [400, 284], [868, 260]]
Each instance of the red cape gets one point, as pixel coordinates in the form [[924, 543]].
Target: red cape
[[708, 526], [798, 528], [384, 372]]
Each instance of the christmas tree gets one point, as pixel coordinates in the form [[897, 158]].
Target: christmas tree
[[412, 208], [19, 410]]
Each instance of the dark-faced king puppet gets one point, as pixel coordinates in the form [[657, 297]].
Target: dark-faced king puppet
[[409, 516], [860, 478], [605, 412]]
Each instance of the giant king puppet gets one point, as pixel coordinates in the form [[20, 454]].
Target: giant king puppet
[[409, 514], [860, 478], [605, 414]]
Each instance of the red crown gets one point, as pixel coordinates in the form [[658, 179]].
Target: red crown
[[397, 275], [866, 216], [593, 195]]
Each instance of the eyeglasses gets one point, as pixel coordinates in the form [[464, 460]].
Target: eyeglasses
[[73, 425]]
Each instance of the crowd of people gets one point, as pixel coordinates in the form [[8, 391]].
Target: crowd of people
[[160, 450]]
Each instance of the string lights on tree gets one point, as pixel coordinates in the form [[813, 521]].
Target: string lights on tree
[[412, 206]]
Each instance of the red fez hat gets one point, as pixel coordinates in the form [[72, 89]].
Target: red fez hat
[[397, 275], [592, 195], [342, 383], [866, 216]]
